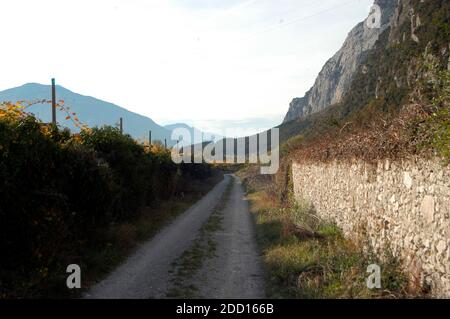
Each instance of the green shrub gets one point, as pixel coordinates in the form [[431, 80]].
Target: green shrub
[[128, 163], [59, 191]]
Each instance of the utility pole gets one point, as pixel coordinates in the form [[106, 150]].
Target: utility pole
[[121, 125], [53, 102], [150, 137], [165, 143]]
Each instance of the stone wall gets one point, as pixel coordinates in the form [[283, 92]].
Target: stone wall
[[401, 206]]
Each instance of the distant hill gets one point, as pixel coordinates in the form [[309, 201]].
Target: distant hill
[[90, 111]]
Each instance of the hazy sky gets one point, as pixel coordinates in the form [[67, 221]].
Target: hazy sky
[[204, 62]]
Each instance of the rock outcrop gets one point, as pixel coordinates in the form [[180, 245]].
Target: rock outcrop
[[336, 76]]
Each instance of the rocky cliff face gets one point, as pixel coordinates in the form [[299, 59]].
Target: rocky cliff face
[[335, 78]]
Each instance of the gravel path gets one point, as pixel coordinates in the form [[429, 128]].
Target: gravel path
[[236, 270], [233, 271]]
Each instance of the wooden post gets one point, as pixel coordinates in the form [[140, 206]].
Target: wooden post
[[150, 137], [121, 125], [165, 143], [53, 102]]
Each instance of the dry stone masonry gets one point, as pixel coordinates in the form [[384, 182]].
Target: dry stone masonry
[[400, 206]]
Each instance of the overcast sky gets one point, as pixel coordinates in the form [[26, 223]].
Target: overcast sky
[[204, 62]]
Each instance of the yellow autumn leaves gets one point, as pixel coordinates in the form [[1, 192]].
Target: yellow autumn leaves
[[10, 110], [17, 110]]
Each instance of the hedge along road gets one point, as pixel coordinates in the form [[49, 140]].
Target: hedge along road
[[209, 251]]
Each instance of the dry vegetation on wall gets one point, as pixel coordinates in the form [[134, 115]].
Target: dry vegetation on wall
[[421, 127]]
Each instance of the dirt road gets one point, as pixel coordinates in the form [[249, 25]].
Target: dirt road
[[208, 252]]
